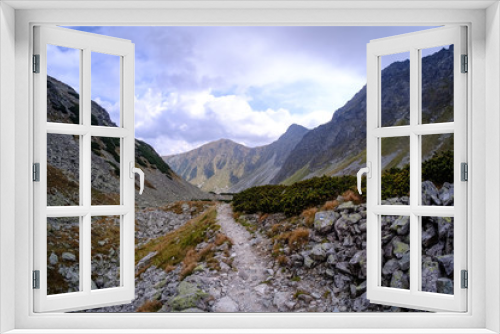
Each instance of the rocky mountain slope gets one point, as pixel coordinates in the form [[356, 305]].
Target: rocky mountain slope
[[162, 185], [226, 166], [339, 146]]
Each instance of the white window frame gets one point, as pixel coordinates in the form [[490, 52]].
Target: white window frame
[[86, 44], [483, 308], [413, 43]]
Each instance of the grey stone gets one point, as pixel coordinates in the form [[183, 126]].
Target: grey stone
[[324, 221], [446, 262], [53, 259], [399, 248], [308, 262], [225, 305], [399, 280], [444, 285], [318, 253], [280, 299], [430, 273], [401, 225], [404, 263], [390, 267], [66, 256]]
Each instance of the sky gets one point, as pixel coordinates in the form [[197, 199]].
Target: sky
[[194, 85]]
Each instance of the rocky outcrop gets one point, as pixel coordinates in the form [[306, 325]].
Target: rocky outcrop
[[226, 166]]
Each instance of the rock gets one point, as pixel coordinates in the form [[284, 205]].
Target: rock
[[343, 266], [445, 225], [225, 305], [390, 267], [404, 263], [430, 273], [399, 248], [332, 259], [324, 221], [399, 280], [290, 304], [354, 218], [270, 272], [53, 259], [318, 253], [224, 268], [243, 274], [430, 194], [360, 289], [429, 237], [192, 310], [346, 206], [361, 304], [280, 299], [68, 257], [447, 194], [308, 262], [305, 297], [261, 289], [444, 285], [447, 263], [316, 295], [401, 225], [188, 296]]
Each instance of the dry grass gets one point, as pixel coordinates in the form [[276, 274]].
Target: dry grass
[[173, 247], [309, 214], [330, 205], [298, 237], [350, 195], [150, 306], [179, 246], [199, 207], [282, 260]]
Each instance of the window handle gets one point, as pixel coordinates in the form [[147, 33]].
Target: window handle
[[366, 170], [133, 171]]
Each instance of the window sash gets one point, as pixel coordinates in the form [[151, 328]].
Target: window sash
[[413, 297], [86, 297]]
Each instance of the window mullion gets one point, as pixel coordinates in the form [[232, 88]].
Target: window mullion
[[414, 169], [85, 185]]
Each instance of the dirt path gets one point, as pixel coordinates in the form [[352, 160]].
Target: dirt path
[[245, 285]]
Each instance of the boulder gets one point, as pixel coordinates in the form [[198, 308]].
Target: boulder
[[188, 296], [66, 256], [390, 267], [400, 280], [430, 194], [430, 273], [447, 263], [444, 285], [323, 221], [318, 253], [226, 305], [401, 225]]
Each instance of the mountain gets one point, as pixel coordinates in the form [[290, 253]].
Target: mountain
[[339, 146], [226, 166], [162, 184]]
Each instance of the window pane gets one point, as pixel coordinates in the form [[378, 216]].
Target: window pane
[[437, 170], [63, 170], [437, 254], [437, 84], [105, 86], [105, 252], [105, 171], [395, 161], [63, 84], [395, 89], [63, 255], [395, 233]]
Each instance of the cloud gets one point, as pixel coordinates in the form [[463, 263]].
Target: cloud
[[248, 84], [178, 123]]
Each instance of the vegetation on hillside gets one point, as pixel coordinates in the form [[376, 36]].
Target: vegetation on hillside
[[293, 199]]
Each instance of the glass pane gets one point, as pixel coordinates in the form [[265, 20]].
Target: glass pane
[[395, 183], [63, 170], [105, 86], [437, 170], [437, 254], [395, 89], [105, 252], [63, 255], [63, 84], [437, 84], [395, 233], [105, 171]]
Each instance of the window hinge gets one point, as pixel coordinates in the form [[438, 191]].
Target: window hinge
[[36, 172], [465, 63], [465, 279], [36, 279], [36, 63], [464, 168]]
